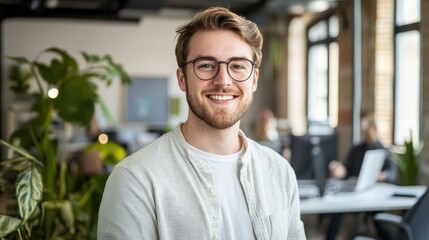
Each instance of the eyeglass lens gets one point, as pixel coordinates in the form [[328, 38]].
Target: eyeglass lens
[[238, 69]]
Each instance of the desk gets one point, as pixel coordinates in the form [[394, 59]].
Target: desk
[[378, 198]]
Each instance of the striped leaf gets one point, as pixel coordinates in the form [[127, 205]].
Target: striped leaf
[[21, 151], [8, 225], [29, 190]]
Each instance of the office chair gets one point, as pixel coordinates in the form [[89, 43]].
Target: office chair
[[412, 226]]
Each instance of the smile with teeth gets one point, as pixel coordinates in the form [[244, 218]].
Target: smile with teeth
[[221, 97]]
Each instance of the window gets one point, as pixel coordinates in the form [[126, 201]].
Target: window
[[407, 71], [322, 90]]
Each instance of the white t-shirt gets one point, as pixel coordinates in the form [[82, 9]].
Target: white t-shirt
[[235, 221]]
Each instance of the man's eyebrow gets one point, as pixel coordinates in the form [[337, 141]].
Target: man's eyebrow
[[205, 57], [211, 57]]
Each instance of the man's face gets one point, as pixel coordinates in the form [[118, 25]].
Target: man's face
[[368, 131], [220, 102], [364, 125]]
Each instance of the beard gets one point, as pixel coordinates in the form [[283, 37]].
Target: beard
[[221, 118]]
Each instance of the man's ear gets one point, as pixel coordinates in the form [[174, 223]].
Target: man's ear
[[255, 80], [181, 79]]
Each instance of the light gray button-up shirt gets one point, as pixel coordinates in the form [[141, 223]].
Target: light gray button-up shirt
[[161, 192]]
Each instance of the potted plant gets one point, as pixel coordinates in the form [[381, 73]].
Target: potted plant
[[52, 200], [407, 161]]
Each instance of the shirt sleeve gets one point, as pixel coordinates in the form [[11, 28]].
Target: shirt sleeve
[[126, 210]]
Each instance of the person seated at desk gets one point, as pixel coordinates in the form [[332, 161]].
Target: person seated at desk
[[353, 163]]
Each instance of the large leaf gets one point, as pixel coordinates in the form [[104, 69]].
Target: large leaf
[[20, 80], [76, 101], [8, 225], [68, 60], [116, 71], [21, 151], [90, 58], [22, 137], [53, 73], [20, 60], [29, 189], [111, 70], [58, 69]]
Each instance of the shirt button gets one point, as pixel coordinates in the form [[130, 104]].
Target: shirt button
[[216, 237], [212, 191]]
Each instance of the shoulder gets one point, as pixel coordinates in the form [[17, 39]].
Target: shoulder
[[264, 151], [266, 158], [379, 145]]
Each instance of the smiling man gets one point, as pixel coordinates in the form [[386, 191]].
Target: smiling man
[[206, 179]]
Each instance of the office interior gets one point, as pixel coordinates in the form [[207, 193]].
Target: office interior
[[323, 62]]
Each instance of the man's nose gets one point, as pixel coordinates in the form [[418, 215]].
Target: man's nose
[[222, 78]]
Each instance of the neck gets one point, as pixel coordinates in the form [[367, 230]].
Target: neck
[[212, 140]]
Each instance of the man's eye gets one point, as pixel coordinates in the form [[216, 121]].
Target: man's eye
[[238, 66], [206, 65]]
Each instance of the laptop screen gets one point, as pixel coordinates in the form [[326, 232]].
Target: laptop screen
[[371, 167]]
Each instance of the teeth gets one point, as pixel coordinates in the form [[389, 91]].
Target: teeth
[[221, 98]]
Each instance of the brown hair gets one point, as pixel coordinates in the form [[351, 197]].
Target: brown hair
[[219, 18], [369, 117]]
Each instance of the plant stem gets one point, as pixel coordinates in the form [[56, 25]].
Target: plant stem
[[39, 84]]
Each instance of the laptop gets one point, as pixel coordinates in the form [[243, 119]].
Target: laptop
[[371, 167]]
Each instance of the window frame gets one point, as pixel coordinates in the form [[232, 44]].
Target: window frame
[[398, 29], [326, 43]]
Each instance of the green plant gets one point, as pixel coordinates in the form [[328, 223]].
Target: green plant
[[52, 200], [407, 161]]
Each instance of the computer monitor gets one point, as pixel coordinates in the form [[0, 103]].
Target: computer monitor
[[310, 155], [147, 102]]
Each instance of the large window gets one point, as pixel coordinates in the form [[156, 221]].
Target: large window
[[322, 88], [407, 71]]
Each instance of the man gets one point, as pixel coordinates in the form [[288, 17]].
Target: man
[[354, 159], [206, 179]]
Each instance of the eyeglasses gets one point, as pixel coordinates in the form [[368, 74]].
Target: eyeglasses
[[206, 68]]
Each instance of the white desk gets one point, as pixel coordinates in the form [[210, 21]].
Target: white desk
[[378, 198]]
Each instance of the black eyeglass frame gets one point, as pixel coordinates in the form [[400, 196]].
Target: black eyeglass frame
[[253, 63]]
